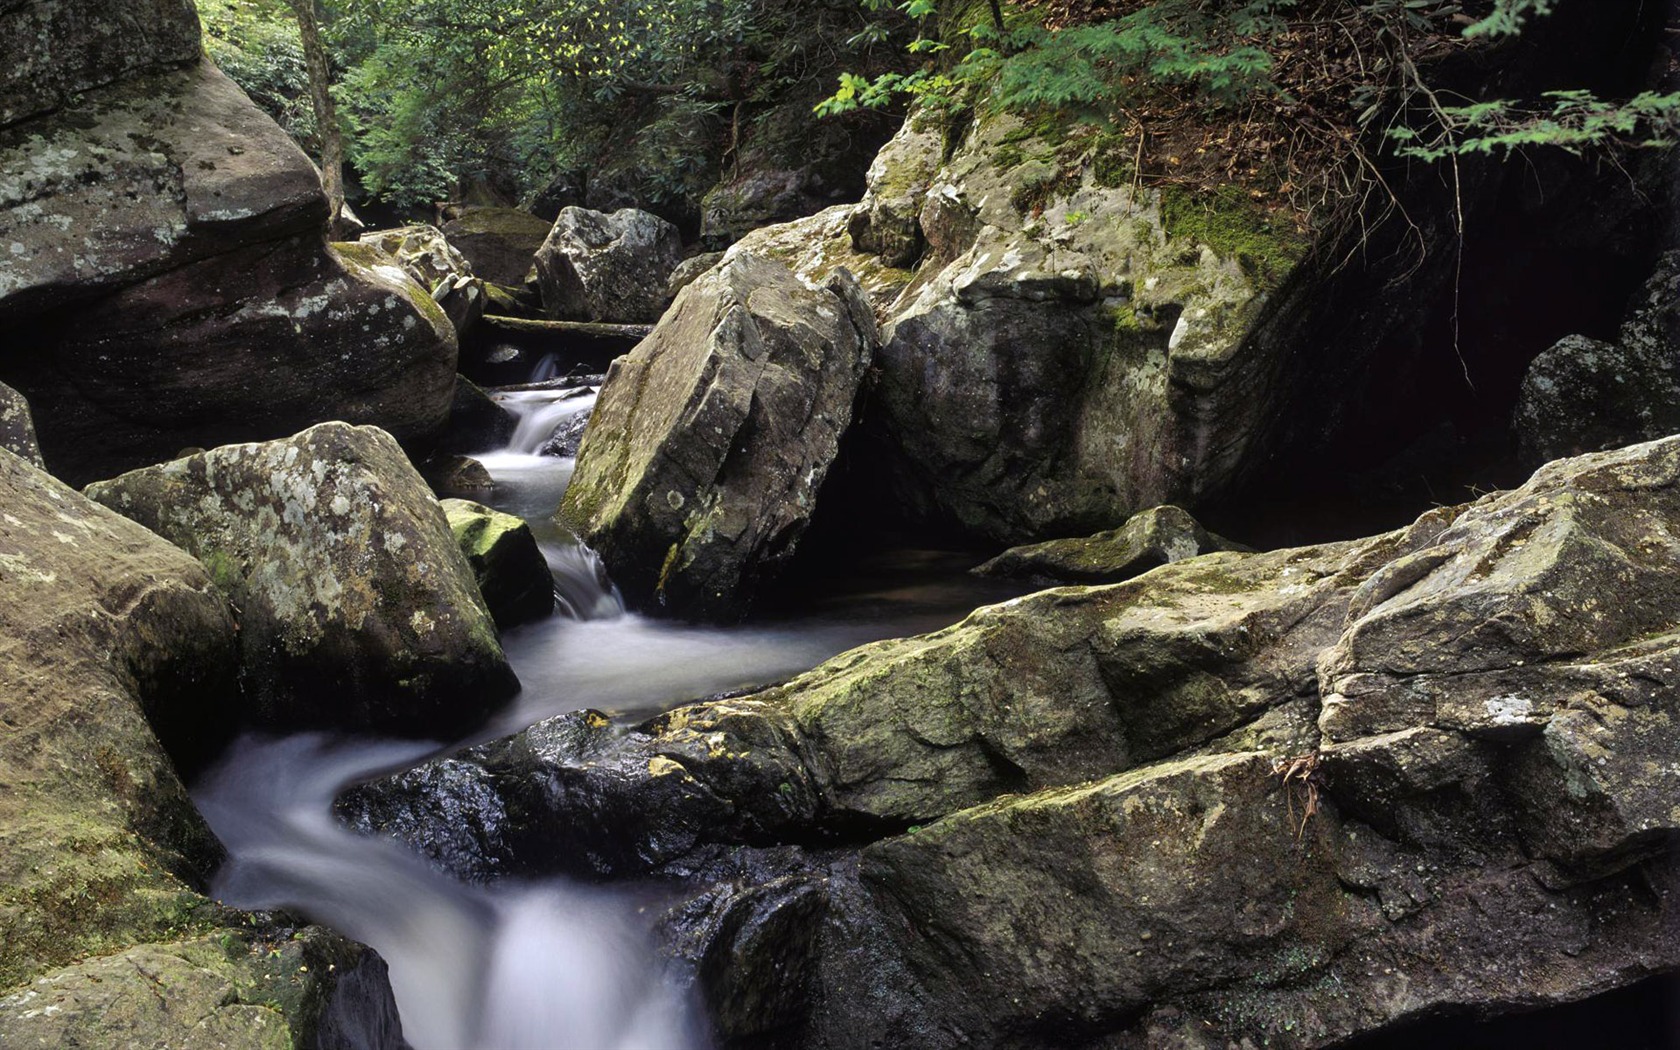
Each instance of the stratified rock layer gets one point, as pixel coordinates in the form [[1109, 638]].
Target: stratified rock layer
[[357, 609]]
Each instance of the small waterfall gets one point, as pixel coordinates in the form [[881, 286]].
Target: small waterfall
[[546, 369], [539, 966], [582, 588], [539, 413]]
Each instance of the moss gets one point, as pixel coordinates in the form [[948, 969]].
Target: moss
[[501, 222], [1235, 227]]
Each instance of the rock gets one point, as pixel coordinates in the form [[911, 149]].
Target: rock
[[598, 267], [477, 423], [1241, 796], [17, 427], [113, 638], [568, 436], [888, 221], [688, 270], [1154, 537], [511, 571], [155, 173], [817, 247], [460, 476], [758, 198], [437, 267], [109, 632], [357, 609], [54, 50], [1584, 395], [500, 243], [710, 440], [566, 190], [311, 988], [297, 335]]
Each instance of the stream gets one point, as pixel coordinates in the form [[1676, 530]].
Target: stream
[[549, 963]]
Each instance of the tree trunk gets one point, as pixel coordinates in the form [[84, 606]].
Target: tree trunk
[[326, 118]]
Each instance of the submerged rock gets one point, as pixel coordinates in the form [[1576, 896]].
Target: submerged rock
[[500, 243], [1583, 395], [511, 571], [709, 442], [599, 267], [357, 609], [1152, 538], [17, 426], [1242, 796]]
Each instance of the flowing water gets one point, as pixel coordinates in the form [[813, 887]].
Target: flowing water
[[549, 964]]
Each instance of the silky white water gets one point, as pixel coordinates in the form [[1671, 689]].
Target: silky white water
[[551, 964]]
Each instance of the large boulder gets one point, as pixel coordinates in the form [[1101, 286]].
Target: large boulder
[[437, 267], [511, 571], [599, 267], [298, 334], [151, 174], [500, 243], [17, 426], [357, 609], [709, 442], [110, 638], [51, 51], [1584, 394], [1241, 796]]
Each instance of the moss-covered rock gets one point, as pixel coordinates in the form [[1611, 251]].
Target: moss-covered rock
[[500, 243], [511, 571], [437, 267], [1154, 537], [357, 609], [1245, 795], [709, 442]]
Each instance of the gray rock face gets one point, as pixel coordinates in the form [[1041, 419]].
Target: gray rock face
[[500, 243], [145, 176], [710, 440], [357, 609], [53, 50], [1242, 796], [599, 267], [17, 427], [511, 571], [300, 333], [1157, 536], [437, 267], [1584, 395]]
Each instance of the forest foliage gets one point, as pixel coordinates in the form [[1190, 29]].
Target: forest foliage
[[436, 95]]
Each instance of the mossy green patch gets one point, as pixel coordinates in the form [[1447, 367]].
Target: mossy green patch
[[1236, 227]]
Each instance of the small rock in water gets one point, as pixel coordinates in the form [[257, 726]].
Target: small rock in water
[[567, 436], [512, 574]]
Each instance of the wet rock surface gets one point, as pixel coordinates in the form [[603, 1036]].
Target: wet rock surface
[[298, 334], [511, 571], [599, 267], [1244, 795], [709, 441], [357, 609]]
